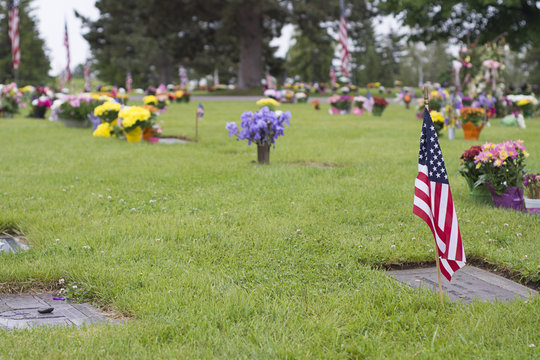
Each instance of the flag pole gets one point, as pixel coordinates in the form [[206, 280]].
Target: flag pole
[[426, 105], [196, 126]]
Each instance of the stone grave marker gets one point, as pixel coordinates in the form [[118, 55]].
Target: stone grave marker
[[22, 311], [11, 244], [467, 284]]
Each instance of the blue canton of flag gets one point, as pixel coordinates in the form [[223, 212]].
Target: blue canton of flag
[[430, 153], [200, 111]]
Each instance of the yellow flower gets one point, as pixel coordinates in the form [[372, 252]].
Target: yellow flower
[[103, 130], [271, 103], [525, 153], [108, 106], [437, 116], [133, 115], [523, 102], [179, 93], [478, 165], [150, 99]]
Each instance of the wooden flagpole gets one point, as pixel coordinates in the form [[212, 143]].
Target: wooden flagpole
[[426, 104]]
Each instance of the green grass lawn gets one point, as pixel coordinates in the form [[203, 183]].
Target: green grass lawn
[[209, 256]]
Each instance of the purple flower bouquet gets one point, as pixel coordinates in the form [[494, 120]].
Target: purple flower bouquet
[[262, 127]]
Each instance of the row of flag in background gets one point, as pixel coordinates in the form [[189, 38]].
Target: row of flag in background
[[13, 34], [432, 196]]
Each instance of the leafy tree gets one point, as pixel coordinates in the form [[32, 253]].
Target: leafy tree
[[486, 19], [34, 66]]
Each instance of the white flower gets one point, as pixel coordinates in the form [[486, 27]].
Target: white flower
[[61, 281], [74, 286], [86, 247]]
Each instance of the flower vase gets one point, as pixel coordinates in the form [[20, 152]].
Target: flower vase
[[263, 154], [39, 112], [335, 111], [148, 133], [357, 111], [479, 194], [377, 110], [451, 133], [511, 199], [532, 206], [470, 131], [407, 105], [134, 135]]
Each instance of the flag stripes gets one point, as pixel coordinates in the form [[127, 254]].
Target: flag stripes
[[13, 33], [343, 39], [433, 201], [66, 44]]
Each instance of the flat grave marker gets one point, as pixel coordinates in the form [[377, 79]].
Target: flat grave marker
[[467, 284], [23, 311]]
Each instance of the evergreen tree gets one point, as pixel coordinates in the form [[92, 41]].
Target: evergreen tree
[[34, 66]]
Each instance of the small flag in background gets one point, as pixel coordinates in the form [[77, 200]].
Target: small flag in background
[[87, 85], [129, 81], [13, 33], [66, 44], [200, 111], [368, 104], [433, 201], [343, 40]]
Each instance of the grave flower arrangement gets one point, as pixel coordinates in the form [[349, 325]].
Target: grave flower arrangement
[[340, 104], [438, 121], [132, 121], [471, 173], [358, 108], [502, 167], [108, 111], [379, 105], [10, 99], [301, 97], [75, 110], [531, 183], [526, 106], [472, 117], [316, 104], [262, 127], [271, 103], [40, 106]]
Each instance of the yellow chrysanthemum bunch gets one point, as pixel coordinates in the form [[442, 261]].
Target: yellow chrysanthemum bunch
[[108, 111], [523, 102], [150, 99], [103, 130], [27, 88], [179, 94], [107, 107], [133, 116], [271, 103], [437, 116]]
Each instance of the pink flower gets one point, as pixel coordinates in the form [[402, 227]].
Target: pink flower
[[75, 103]]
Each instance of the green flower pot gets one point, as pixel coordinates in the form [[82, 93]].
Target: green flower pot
[[479, 194]]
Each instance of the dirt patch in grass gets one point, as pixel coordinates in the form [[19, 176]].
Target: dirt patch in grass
[[179, 137], [319, 165], [500, 270]]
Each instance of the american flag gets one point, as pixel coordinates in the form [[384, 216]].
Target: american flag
[[87, 85], [433, 201], [343, 40], [200, 111], [66, 44], [332, 76], [13, 33], [182, 73], [129, 81]]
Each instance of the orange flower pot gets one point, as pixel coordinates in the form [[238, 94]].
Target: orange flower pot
[[148, 132], [471, 131]]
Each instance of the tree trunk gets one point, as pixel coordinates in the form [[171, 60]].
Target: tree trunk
[[250, 67]]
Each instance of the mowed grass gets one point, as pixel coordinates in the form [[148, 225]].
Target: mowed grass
[[210, 256]]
